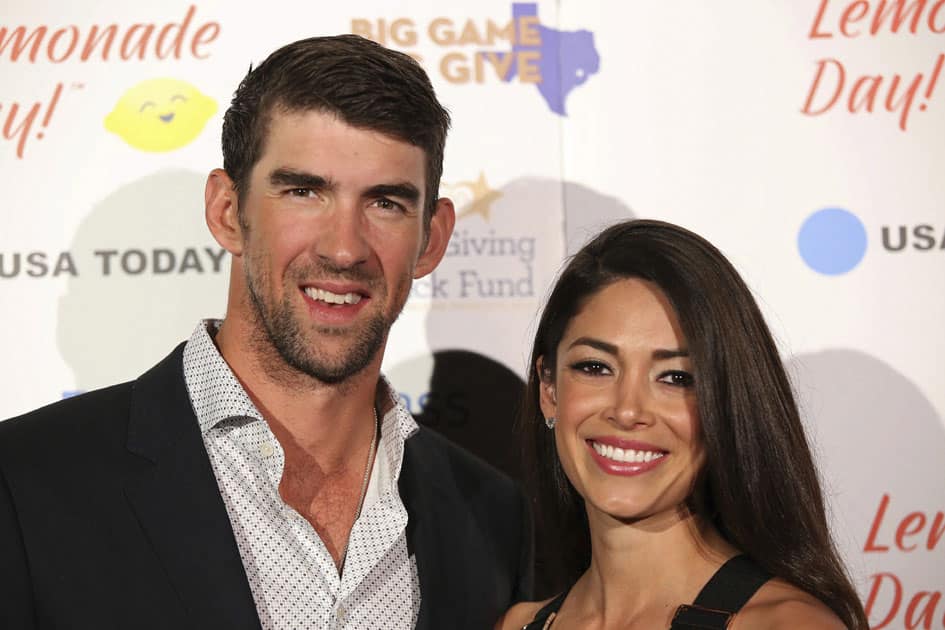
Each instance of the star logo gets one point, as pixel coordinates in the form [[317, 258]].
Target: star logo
[[473, 197]]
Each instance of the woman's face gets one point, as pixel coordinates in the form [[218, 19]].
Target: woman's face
[[627, 433]]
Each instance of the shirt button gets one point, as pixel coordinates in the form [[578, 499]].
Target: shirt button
[[266, 450], [341, 612]]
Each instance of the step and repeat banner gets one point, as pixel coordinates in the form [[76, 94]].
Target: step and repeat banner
[[805, 138]]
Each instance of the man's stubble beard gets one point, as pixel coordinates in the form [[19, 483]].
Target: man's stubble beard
[[277, 328]]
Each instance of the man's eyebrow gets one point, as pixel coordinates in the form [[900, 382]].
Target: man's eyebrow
[[406, 191], [299, 179]]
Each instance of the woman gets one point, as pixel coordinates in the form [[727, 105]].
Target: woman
[[666, 444]]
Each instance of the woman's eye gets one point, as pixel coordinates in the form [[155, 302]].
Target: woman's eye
[[677, 378], [593, 368]]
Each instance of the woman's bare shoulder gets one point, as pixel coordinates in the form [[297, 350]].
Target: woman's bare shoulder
[[778, 605], [520, 615]]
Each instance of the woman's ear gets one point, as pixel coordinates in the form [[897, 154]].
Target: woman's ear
[[547, 395]]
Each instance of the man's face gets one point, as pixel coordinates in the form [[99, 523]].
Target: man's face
[[333, 232]]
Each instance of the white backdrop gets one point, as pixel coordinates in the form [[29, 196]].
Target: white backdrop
[[805, 138]]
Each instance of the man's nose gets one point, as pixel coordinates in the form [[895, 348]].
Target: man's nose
[[343, 239]]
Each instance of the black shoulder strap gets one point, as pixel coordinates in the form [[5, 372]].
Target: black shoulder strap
[[551, 608], [722, 596]]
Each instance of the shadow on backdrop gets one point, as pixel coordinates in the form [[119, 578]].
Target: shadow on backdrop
[[474, 399], [157, 271], [874, 433]]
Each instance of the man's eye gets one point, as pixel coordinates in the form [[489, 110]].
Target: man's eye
[[302, 192], [592, 368], [677, 378], [386, 204]]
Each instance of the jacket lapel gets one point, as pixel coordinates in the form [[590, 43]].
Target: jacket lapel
[[173, 491], [435, 531]]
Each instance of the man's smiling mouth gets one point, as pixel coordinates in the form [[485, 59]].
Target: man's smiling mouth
[[332, 298]]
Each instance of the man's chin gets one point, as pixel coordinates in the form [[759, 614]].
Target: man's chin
[[335, 354]]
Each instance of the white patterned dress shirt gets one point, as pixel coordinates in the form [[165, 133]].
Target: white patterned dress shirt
[[293, 578]]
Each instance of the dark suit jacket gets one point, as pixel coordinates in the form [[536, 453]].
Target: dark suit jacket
[[110, 517]]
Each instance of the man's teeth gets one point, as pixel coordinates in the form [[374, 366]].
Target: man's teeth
[[332, 298], [629, 455]]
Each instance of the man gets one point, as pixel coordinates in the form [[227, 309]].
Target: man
[[264, 474]]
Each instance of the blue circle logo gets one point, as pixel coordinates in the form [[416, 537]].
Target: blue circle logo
[[832, 241]]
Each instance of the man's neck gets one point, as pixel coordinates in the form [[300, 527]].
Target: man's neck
[[306, 415]]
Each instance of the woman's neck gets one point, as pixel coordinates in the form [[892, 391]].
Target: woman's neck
[[645, 569]]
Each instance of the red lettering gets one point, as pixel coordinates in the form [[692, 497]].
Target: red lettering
[[22, 129], [933, 18], [204, 35], [128, 45], [815, 32], [871, 600], [902, 10], [877, 521], [864, 101], [906, 528], [937, 529], [883, 15], [933, 79], [925, 617], [848, 16], [822, 65], [51, 47], [93, 39], [178, 40], [905, 101], [137, 41], [36, 36]]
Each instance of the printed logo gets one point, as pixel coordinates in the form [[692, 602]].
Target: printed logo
[[29, 45], [839, 85], [492, 251], [472, 197], [565, 59], [160, 115], [832, 241], [555, 61]]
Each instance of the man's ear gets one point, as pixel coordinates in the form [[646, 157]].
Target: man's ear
[[547, 396], [441, 228], [221, 202]]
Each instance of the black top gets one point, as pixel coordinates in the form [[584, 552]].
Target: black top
[[723, 595]]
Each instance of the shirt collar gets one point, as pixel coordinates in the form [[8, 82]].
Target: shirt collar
[[217, 396], [215, 393]]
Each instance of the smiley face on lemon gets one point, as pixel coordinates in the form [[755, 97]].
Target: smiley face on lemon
[[160, 115]]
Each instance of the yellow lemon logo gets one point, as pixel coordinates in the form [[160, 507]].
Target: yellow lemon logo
[[160, 115]]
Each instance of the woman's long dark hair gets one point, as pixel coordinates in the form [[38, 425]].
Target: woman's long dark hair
[[760, 484]]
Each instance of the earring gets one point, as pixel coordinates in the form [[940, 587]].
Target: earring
[[550, 422]]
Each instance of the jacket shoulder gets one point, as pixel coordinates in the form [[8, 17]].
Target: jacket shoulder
[[442, 456], [101, 402], [67, 423], [96, 418]]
